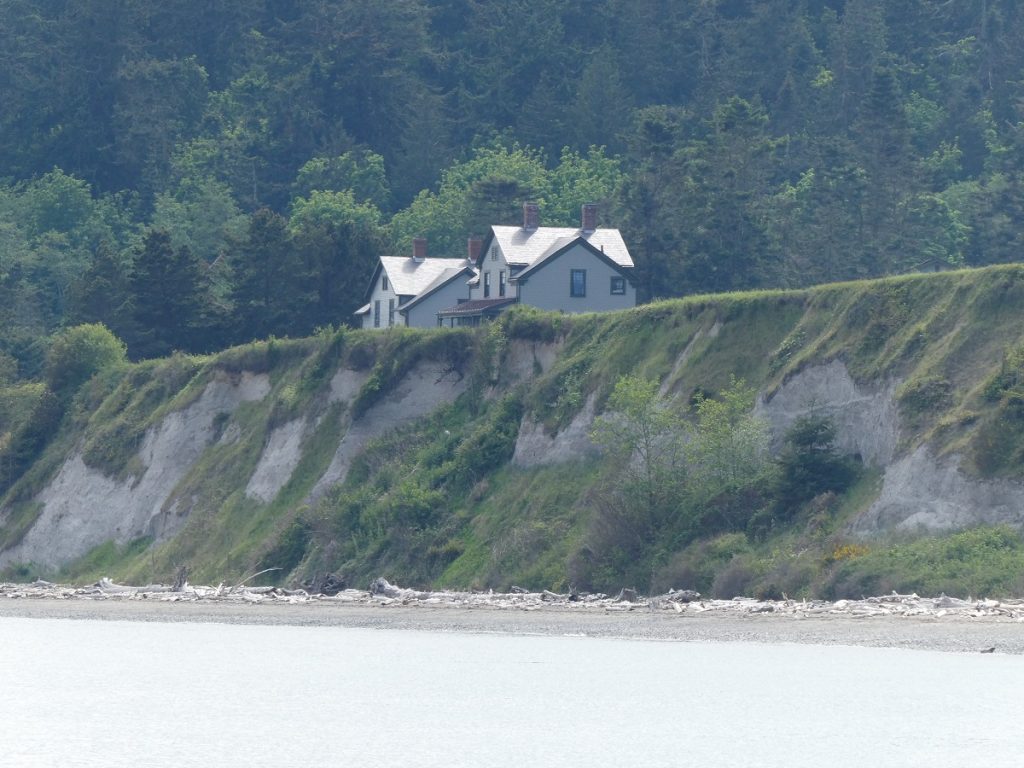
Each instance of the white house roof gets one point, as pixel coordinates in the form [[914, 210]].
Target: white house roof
[[525, 246], [410, 277]]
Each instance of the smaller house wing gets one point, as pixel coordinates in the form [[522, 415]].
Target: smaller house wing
[[409, 276], [439, 282]]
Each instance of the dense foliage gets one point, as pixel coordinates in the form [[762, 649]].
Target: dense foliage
[[280, 146], [671, 479]]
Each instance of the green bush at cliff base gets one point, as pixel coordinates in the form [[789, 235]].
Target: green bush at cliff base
[[979, 562]]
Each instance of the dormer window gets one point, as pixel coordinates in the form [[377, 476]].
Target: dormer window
[[384, 283]]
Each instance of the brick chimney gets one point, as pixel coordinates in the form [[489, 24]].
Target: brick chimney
[[588, 217], [531, 216], [473, 246], [419, 249]]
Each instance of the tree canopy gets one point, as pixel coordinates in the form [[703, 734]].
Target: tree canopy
[[736, 144]]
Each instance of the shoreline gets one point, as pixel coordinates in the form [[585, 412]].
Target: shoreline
[[888, 622]]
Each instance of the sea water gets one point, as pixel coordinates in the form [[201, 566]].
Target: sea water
[[108, 693]]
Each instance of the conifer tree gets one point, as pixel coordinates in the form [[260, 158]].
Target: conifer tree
[[268, 280], [168, 296], [101, 294]]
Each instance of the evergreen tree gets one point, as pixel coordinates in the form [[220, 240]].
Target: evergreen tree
[[600, 111], [269, 280], [339, 259], [648, 201], [339, 240], [101, 294], [168, 297], [809, 464]]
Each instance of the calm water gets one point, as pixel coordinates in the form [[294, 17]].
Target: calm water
[[88, 693]]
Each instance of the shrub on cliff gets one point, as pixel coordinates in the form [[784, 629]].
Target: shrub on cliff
[[29, 440], [76, 354]]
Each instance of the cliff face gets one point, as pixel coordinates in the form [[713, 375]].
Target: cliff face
[[81, 507], [251, 460]]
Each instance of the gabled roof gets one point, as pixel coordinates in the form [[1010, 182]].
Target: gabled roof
[[446, 276], [564, 245], [410, 277], [522, 247]]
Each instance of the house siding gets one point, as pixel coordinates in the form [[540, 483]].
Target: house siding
[[379, 294], [424, 313], [494, 269], [548, 287]]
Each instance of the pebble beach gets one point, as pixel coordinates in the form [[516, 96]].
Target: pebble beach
[[897, 621]]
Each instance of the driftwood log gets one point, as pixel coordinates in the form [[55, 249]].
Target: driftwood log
[[328, 584]]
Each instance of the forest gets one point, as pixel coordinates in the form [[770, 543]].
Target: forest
[[199, 174]]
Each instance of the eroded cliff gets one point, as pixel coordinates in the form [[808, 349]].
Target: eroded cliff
[[466, 457]]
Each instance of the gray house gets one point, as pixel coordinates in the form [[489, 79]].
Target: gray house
[[559, 269], [552, 268], [417, 283]]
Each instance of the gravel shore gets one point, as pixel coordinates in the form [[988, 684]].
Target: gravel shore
[[892, 622]]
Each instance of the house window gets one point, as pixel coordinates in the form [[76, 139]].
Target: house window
[[501, 283], [376, 313], [384, 283], [494, 253], [578, 282], [618, 286], [487, 285], [391, 311]]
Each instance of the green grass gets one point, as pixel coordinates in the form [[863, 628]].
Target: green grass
[[522, 529], [19, 517], [981, 562], [108, 559]]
